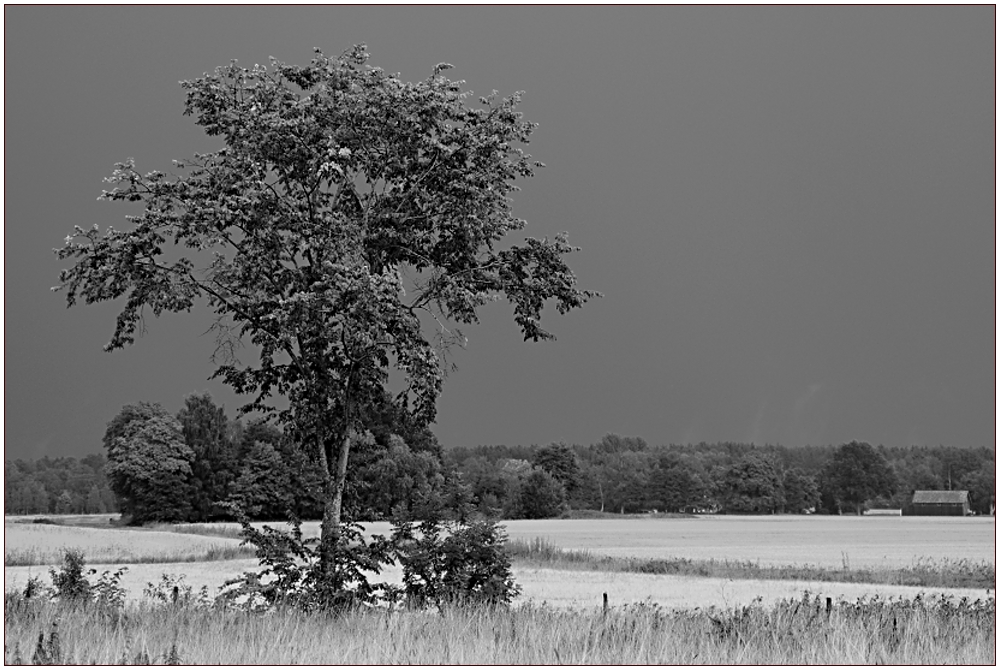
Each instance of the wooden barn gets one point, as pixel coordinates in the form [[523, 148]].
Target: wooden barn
[[939, 503]]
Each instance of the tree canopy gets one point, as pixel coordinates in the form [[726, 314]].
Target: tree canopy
[[346, 211], [857, 473], [149, 464]]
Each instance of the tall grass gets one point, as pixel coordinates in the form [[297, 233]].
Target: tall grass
[[31, 544], [930, 573], [802, 631], [50, 556], [223, 529]]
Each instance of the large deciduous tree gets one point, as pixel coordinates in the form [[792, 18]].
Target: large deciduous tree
[[858, 473], [752, 485], [542, 495], [560, 461], [801, 491], [345, 212], [676, 485], [149, 465], [208, 432]]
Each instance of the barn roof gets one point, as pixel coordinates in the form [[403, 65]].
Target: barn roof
[[940, 497]]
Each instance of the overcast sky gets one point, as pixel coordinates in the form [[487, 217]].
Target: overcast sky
[[790, 211]]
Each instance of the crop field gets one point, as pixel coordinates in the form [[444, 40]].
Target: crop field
[[652, 618], [42, 544], [558, 588], [827, 541]]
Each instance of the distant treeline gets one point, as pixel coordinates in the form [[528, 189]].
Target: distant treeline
[[625, 474], [200, 465], [57, 486]]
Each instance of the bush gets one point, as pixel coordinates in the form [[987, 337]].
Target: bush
[[70, 584], [448, 563], [108, 593], [292, 575], [172, 590]]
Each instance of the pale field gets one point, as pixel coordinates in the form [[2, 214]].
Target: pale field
[[824, 541], [567, 589], [48, 542]]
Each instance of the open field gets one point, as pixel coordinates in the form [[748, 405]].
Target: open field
[[826, 541], [559, 588], [926, 573], [898, 541], [652, 618], [43, 544]]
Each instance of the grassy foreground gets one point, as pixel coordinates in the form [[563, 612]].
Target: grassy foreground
[[922, 572], [907, 632]]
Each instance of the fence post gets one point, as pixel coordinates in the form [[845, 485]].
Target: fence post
[[829, 605], [604, 612]]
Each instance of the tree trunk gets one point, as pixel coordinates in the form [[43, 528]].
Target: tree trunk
[[333, 492]]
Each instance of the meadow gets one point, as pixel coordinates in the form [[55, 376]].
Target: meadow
[[707, 561], [708, 606], [823, 541], [28, 544]]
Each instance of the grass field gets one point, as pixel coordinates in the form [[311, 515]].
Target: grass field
[[943, 573], [564, 568], [43, 544], [824, 541], [791, 632], [559, 588], [152, 553], [828, 541]]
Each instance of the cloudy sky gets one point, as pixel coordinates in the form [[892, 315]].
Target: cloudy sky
[[790, 211]]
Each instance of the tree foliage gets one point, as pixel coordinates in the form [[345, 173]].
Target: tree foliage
[[542, 495], [801, 491], [397, 479], [858, 473], [208, 432], [344, 207], [149, 464], [676, 485], [490, 478], [264, 488], [982, 487], [753, 485], [560, 461], [453, 563], [35, 487], [292, 572]]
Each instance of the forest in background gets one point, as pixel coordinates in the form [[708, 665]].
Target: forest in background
[[627, 475], [57, 486], [200, 465]]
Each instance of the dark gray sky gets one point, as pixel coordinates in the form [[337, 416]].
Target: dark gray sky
[[790, 210]]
